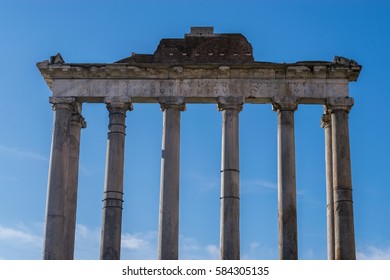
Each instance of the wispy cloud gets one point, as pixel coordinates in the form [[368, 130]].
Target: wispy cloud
[[134, 246], [83, 232], [21, 153], [85, 170], [21, 242], [373, 253], [19, 236], [134, 241], [191, 249], [143, 245], [254, 246], [205, 183], [24, 242], [87, 242], [256, 185], [213, 251], [309, 254], [258, 251], [140, 245]]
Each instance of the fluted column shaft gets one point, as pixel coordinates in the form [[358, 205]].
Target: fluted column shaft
[[113, 186], [168, 234], [326, 124], [57, 181], [342, 179], [230, 178], [77, 122], [287, 211]]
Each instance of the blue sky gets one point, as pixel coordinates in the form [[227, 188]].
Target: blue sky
[[106, 31]]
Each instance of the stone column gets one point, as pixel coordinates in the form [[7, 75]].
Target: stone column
[[287, 210], [57, 181], [230, 178], [326, 124], [168, 232], [342, 179], [77, 122], [113, 185]]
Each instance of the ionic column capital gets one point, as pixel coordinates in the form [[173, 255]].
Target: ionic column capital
[[285, 103], [172, 102], [339, 103], [62, 102], [76, 118], [325, 120], [230, 102], [119, 102]]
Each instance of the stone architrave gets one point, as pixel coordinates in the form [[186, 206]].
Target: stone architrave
[[230, 178], [287, 209], [168, 233], [54, 241], [77, 122], [113, 186], [342, 179], [326, 124]]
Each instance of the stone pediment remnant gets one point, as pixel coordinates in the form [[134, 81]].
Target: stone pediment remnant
[[202, 45], [339, 60], [57, 59]]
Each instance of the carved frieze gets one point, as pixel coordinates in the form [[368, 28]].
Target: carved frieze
[[200, 90]]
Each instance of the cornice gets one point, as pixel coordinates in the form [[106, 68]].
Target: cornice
[[258, 70]]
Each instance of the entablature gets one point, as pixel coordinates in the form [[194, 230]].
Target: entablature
[[257, 70], [201, 67]]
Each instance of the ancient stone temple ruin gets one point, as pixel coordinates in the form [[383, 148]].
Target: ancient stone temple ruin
[[202, 67]]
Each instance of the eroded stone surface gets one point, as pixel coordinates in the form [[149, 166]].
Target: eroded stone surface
[[202, 45], [200, 67]]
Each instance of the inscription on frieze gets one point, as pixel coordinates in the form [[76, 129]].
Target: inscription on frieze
[[259, 91]]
